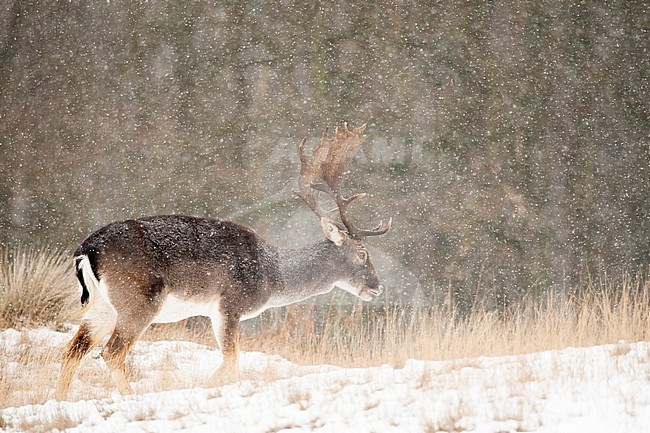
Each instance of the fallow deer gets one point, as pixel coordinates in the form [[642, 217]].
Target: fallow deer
[[163, 269]]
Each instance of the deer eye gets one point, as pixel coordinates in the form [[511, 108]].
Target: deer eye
[[362, 255]]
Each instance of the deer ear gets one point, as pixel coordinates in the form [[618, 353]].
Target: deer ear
[[332, 232]]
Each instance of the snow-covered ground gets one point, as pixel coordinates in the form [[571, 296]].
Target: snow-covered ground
[[596, 389]]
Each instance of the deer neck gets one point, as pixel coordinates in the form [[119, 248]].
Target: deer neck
[[306, 272]]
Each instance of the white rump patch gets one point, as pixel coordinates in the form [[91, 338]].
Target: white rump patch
[[101, 315]]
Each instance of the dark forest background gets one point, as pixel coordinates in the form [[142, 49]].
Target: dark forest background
[[509, 141]]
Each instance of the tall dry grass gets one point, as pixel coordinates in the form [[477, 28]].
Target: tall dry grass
[[598, 313], [36, 287]]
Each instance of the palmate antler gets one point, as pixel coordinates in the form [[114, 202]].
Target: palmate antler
[[323, 171]]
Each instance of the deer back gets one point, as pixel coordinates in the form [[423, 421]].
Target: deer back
[[193, 258]]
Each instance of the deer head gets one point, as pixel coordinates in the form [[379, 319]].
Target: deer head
[[322, 172]]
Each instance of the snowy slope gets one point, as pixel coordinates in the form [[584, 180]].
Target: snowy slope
[[597, 389]]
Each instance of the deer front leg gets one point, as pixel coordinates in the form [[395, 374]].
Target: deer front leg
[[225, 327]]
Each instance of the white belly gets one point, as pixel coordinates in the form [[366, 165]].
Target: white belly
[[175, 309]]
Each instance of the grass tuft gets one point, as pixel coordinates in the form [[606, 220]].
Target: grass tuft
[[37, 287]]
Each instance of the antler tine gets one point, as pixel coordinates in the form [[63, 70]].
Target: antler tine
[[323, 171], [301, 153], [344, 204]]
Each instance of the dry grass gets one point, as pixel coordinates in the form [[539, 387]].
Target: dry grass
[[596, 314], [28, 368], [36, 287], [39, 288]]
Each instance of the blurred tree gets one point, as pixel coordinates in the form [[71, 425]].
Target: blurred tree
[[508, 140]]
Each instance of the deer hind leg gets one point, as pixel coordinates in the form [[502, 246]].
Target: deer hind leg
[[134, 315], [124, 337], [225, 327], [87, 337]]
